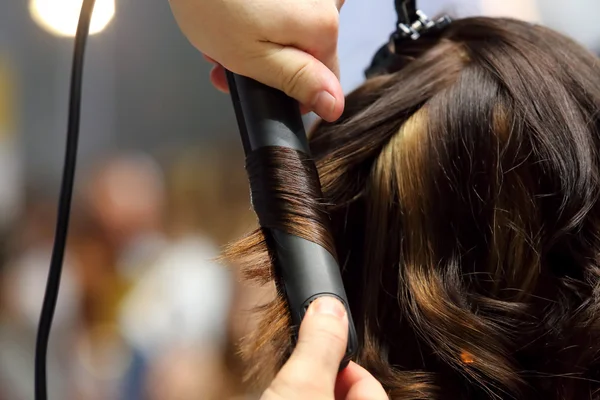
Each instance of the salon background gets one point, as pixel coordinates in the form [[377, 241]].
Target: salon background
[[144, 311]]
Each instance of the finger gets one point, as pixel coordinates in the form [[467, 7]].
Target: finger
[[304, 109], [323, 45], [323, 337], [209, 59], [301, 76], [356, 383], [327, 55], [314, 364], [219, 79], [320, 42], [334, 65]]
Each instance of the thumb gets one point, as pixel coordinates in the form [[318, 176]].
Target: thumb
[[301, 76], [313, 366]]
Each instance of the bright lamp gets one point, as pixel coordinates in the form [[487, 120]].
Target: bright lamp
[[60, 17]]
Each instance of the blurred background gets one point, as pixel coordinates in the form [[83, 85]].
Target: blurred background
[[144, 310]]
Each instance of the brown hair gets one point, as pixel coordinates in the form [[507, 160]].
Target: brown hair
[[462, 192]]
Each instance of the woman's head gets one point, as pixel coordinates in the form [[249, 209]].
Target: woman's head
[[462, 193]]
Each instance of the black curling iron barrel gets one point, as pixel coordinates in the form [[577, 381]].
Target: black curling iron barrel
[[269, 118]]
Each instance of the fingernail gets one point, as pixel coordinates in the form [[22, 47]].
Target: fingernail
[[328, 306], [324, 104]]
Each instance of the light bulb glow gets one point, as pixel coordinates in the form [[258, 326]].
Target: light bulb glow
[[60, 17]]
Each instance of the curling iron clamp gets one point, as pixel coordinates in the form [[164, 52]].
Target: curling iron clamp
[[412, 25]]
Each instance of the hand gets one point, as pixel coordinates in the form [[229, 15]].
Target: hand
[[287, 44], [312, 370]]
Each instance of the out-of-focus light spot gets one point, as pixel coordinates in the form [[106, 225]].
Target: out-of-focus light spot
[[60, 17]]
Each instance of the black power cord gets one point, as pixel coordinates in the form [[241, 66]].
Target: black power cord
[[64, 205]]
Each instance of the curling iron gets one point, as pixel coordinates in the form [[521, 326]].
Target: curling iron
[[266, 117]]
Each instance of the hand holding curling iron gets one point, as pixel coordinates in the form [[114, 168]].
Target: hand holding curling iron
[[290, 45], [312, 370]]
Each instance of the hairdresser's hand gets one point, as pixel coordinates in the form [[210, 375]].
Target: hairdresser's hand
[[287, 44], [312, 370]]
